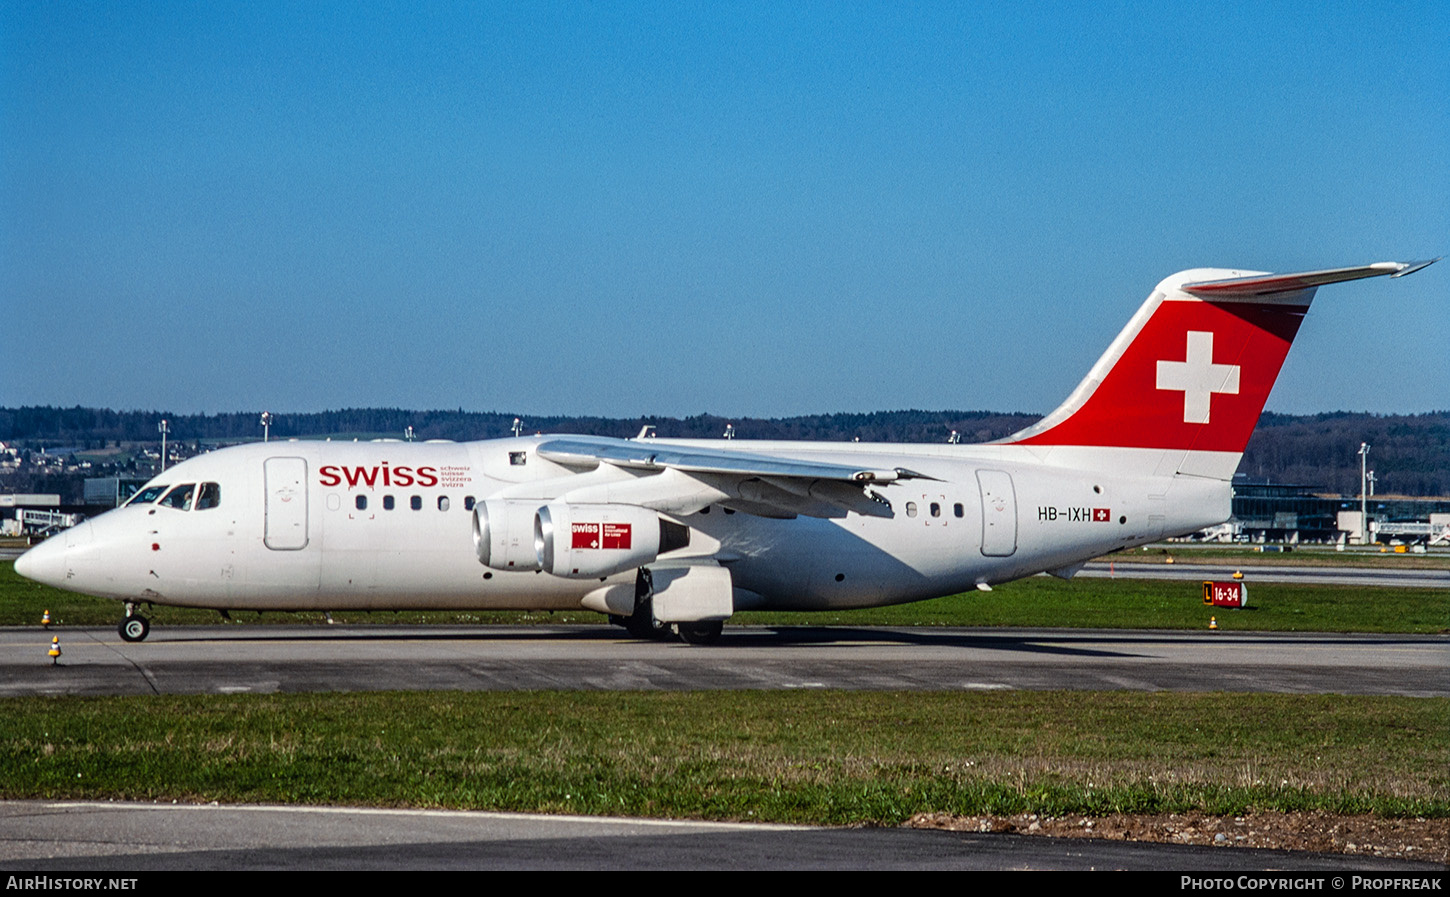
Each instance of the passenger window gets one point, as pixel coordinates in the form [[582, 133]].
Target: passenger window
[[468, 502], [957, 509], [935, 509], [362, 502], [209, 497], [442, 502], [416, 502], [148, 495], [911, 509], [179, 498], [387, 502]]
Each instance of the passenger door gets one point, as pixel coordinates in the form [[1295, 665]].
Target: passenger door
[[286, 512]]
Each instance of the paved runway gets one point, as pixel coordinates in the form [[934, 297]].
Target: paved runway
[[265, 659]]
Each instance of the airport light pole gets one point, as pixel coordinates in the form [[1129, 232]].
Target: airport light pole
[[1363, 493], [164, 427], [266, 425]]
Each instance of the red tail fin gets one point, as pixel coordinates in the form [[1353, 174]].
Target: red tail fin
[[1194, 367]]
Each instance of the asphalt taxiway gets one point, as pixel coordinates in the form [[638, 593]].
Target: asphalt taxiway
[[1306, 574], [244, 658]]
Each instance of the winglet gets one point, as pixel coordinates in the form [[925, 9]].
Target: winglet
[[1412, 267]]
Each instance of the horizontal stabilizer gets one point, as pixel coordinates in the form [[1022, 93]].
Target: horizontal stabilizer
[[1262, 284]]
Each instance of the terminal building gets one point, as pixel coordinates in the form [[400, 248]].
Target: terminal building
[[1280, 512], [111, 492], [39, 514]]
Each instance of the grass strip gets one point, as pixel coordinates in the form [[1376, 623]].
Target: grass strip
[[809, 757]]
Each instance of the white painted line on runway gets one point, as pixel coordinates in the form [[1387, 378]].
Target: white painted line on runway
[[441, 814]]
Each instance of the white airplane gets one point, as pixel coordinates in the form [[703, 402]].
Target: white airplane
[[677, 535]]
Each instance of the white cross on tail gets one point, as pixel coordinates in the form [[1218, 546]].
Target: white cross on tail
[[1198, 377]]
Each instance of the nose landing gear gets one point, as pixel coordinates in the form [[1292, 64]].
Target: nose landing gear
[[133, 627]]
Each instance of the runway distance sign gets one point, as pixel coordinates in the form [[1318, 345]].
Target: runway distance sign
[[1232, 593]]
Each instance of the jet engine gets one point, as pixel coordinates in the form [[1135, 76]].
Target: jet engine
[[503, 534], [582, 541]]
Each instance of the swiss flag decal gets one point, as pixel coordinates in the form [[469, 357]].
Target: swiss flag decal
[[1195, 377]]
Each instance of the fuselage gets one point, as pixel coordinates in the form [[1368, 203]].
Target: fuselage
[[314, 525]]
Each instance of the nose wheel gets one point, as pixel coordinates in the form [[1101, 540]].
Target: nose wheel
[[134, 627]]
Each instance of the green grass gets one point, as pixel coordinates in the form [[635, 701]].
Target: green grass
[[812, 757], [1036, 602], [1148, 604]]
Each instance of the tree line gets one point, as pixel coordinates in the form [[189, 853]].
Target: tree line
[[1409, 453]]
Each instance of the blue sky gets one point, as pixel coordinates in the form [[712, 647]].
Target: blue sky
[[737, 208]]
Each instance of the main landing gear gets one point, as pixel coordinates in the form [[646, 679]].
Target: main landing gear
[[643, 625], [706, 633], [134, 627]]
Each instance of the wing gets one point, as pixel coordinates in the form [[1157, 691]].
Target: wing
[[685, 479]]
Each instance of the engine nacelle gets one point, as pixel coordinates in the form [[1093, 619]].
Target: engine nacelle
[[503, 534], [585, 541]]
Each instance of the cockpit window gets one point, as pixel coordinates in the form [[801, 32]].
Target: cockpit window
[[148, 495], [209, 497], [179, 498]]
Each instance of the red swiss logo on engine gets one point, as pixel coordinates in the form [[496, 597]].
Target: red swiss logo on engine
[[602, 535]]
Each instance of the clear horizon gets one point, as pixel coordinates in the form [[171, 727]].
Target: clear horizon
[[756, 210]]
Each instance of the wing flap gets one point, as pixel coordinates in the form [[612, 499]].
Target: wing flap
[[757, 484], [576, 451]]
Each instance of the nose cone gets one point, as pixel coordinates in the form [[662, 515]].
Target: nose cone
[[50, 561], [44, 563]]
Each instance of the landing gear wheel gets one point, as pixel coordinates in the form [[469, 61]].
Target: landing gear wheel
[[134, 628], [643, 624], [701, 633]]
